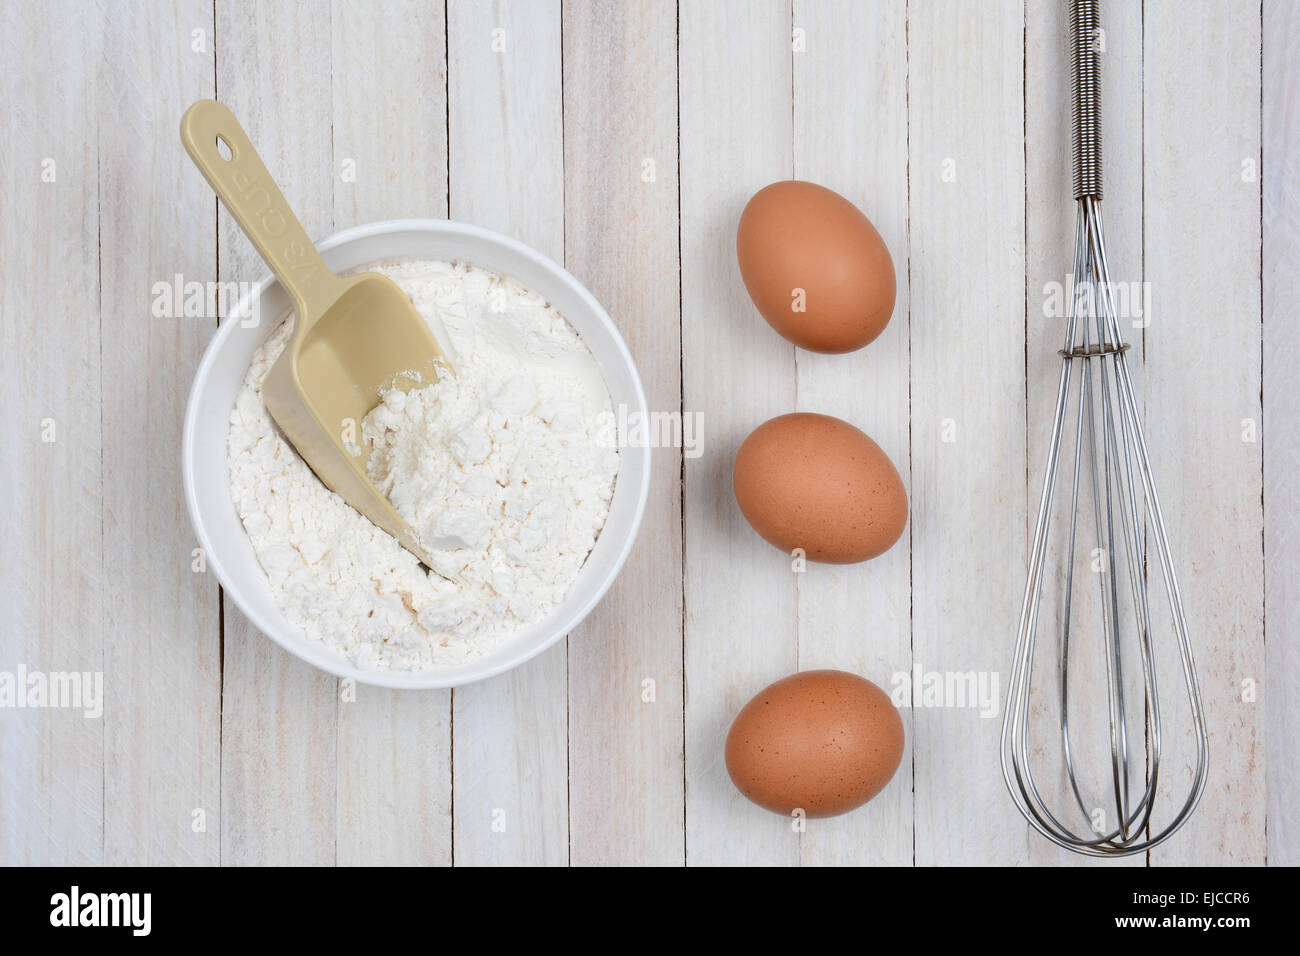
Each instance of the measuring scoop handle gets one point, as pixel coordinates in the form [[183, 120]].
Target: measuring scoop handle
[[242, 182]]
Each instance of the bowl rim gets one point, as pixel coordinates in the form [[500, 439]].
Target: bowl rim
[[317, 654]]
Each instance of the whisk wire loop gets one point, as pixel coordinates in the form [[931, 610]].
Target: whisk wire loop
[[1111, 459]]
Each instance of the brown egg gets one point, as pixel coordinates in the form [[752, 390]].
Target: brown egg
[[817, 483], [815, 267], [825, 742]]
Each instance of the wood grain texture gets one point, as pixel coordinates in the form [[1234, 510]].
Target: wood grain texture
[[510, 751], [163, 641], [389, 139], [736, 137], [620, 162], [279, 715], [394, 778], [850, 134], [389, 113], [51, 564], [1281, 236], [1203, 397], [967, 232], [1050, 216]]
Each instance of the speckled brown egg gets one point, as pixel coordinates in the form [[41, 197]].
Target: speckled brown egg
[[823, 741], [817, 483], [815, 267]]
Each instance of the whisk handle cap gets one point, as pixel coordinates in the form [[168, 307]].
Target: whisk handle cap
[[1087, 41]]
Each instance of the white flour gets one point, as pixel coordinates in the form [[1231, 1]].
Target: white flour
[[505, 454]]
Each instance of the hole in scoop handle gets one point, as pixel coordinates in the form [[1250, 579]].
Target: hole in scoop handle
[[240, 179]]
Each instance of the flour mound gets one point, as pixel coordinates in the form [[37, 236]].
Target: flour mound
[[505, 455]]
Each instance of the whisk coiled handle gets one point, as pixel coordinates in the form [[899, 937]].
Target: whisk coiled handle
[[1086, 40]]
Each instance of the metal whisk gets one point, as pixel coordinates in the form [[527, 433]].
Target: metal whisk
[[1111, 476]]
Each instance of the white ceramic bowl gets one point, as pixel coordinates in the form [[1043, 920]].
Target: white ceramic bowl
[[221, 375]]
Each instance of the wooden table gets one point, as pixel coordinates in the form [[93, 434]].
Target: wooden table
[[623, 139]]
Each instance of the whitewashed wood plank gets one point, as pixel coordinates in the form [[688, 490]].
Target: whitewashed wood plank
[[389, 111], [51, 558], [162, 796], [736, 137], [390, 162], [394, 778], [1050, 214], [506, 163], [1281, 122], [279, 715], [620, 139], [1202, 236], [850, 134], [968, 406]]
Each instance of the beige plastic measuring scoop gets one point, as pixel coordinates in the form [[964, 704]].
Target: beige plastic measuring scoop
[[353, 336]]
